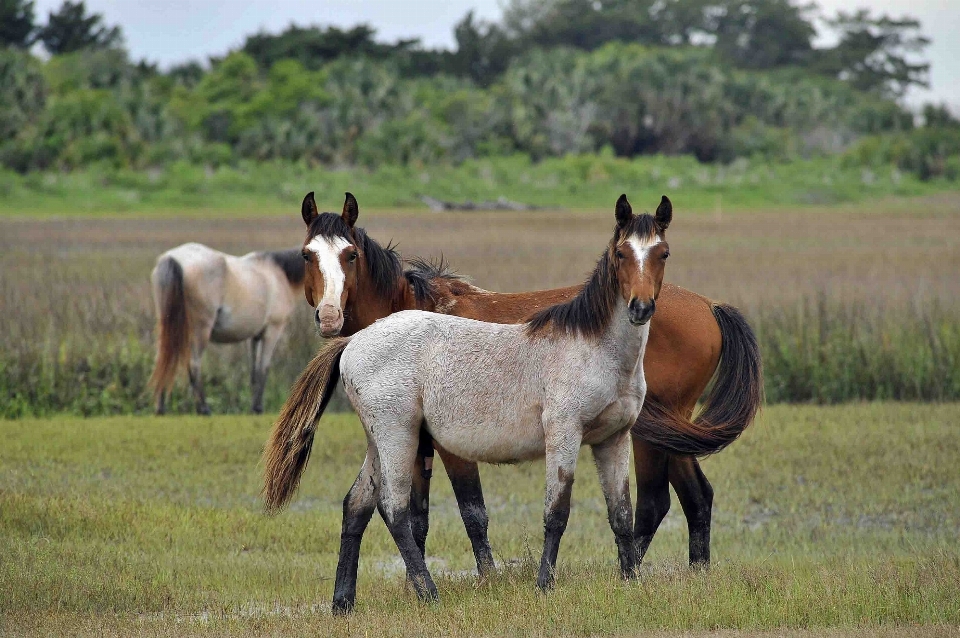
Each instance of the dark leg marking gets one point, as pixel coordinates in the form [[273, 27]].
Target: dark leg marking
[[696, 498], [554, 524]]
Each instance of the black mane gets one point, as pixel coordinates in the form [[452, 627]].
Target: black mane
[[422, 273], [290, 262], [589, 313], [383, 263]]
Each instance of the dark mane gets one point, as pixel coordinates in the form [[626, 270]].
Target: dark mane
[[589, 313], [290, 262], [383, 263], [422, 273]]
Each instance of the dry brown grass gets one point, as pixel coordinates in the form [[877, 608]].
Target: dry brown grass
[[79, 281]]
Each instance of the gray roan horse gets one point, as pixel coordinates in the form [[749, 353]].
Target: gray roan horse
[[203, 295], [572, 375]]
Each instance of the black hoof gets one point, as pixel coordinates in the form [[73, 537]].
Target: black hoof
[[545, 584], [203, 410], [257, 409], [342, 607]]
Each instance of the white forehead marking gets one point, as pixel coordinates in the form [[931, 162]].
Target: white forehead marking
[[642, 246], [327, 250]]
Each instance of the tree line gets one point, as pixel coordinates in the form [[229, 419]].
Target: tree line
[[718, 79]]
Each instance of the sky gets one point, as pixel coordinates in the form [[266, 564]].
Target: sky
[[175, 31]]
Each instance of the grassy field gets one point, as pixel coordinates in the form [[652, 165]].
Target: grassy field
[[577, 182], [843, 517], [850, 302]]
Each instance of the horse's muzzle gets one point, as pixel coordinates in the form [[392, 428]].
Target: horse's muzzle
[[329, 320], [640, 312]]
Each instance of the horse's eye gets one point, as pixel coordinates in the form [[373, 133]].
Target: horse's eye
[[619, 255], [666, 254], [305, 255], [352, 258]]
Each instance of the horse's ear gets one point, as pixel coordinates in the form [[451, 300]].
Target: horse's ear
[[309, 209], [350, 210], [664, 214], [624, 211]]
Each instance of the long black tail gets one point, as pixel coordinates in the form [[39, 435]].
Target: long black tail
[[730, 406]]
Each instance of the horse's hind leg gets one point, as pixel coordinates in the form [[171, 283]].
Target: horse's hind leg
[[563, 446], [397, 455], [696, 497], [465, 479], [613, 465], [653, 492], [420, 490], [358, 507]]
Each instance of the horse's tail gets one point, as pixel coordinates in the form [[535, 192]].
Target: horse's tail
[[288, 450], [173, 326], [729, 408]]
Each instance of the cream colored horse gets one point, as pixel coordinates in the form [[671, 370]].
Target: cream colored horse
[[571, 376], [203, 295]]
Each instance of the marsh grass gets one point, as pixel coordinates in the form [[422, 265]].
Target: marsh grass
[[824, 517], [848, 303]]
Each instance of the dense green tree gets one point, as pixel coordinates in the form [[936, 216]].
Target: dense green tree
[[876, 53], [23, 92], [761, 34], [17, 26], [484, 50], [70, 28]]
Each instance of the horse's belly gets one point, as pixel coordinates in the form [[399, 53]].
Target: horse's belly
[[234, 325], [490, 438]]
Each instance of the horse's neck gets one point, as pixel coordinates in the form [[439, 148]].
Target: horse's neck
[[625, 341], [369, 304]]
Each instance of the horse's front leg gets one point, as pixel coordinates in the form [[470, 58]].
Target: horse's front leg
[[562, 448], [653, 492], [358, 507], [465, 479], [270, 339], [613, 465]]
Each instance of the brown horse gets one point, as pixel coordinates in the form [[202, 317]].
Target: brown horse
[[352, 281]]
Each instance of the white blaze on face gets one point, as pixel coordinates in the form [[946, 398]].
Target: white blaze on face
[[327, 250], [641, 247]]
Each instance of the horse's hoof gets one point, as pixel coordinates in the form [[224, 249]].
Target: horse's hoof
[[545, 584], [204, 410], [257, 409], [342, 607]]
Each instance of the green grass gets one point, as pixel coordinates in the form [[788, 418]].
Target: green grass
[[824, 517], [574, 182]]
